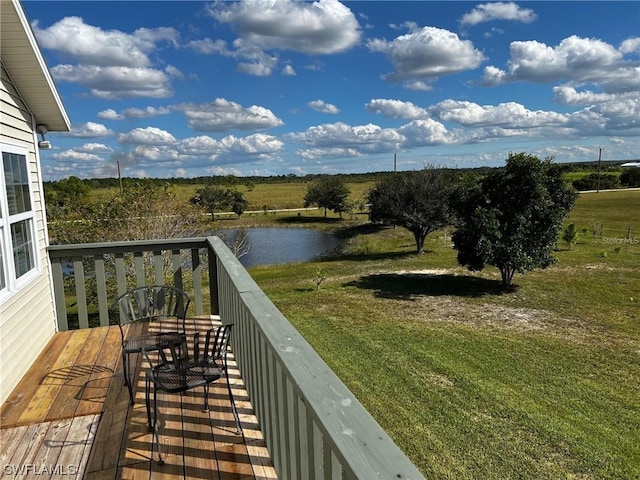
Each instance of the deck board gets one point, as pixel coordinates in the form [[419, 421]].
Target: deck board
[[23, 394], [73, 379], [72, 409], [46, 393]]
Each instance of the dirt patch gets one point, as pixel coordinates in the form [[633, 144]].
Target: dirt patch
[[441, 380], [430, 272], [461, 310]]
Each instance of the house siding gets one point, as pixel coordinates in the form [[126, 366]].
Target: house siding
[[27, 316]]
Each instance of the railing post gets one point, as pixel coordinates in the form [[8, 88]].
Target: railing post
[[177, 269], [58, 294], [158, 267], [213, 280], [81, 296], [196, 266]]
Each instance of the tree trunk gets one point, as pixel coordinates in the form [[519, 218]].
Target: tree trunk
[[419, 236], [507, 275]]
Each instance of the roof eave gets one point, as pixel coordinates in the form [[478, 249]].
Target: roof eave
[[23, 60]]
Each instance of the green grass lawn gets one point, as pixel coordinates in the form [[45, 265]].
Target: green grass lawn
[[474, 382], [270, 195]]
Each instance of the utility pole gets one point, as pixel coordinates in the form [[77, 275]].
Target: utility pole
[[119, 176], [395, 162], [599, 167]]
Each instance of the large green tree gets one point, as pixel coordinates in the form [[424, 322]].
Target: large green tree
[[417, 201], [511, 218], [328, 192], [214, 198], [70, 192]]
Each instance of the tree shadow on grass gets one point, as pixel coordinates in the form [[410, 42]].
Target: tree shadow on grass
[[353, 257], [303, 220], [362, 229], [406, 286]]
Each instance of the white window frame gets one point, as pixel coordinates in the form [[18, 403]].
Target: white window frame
[[13, 284]]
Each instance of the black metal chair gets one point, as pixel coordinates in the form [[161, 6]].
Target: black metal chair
[[155, 303], [178, 371]]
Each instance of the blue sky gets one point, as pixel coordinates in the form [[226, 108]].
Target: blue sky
[[273, 87]]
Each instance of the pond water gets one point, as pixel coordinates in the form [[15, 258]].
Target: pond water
[[270, 246]]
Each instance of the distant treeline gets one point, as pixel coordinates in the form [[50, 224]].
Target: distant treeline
[[230, 180]]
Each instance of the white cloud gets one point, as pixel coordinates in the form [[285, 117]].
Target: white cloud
[[173, 72], [157, 153], [91, 45], [509, 115], [261, 66], [206, 46], [396, 109], [605, 115], [568, 95], [328, 152], [145, 112], [426, 132], [230, 149], [149, 38], [577, 59], [94, 148], [133, 112], [116, 82], [617, 117], [223, 171], [427, 53], [89, 130], [631, 45], [258, 145], [328, 139], [322, 27], [75, 155], [417, 85], [147, 136], [288, 70], [111, 63], [493, 32], [323, 107], [253, 60], [223, 115], [110, 114], [487, 12]]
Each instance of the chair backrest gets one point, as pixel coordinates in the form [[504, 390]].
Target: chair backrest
[[216, 345], [172, 352], [152, 303]]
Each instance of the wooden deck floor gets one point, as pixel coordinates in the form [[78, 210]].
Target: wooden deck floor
[[70, 418]]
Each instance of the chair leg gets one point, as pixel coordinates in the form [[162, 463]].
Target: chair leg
[[206, 398], [127, 375], [147, 401], [233, 404], [155, 425]]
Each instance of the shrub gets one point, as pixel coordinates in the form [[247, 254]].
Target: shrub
[[631, 177], [607, 181], [570, 235]]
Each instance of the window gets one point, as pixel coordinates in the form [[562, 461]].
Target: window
[[16, 219]]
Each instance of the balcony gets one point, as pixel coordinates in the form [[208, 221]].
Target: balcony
[[292, 405]]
